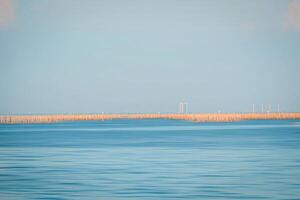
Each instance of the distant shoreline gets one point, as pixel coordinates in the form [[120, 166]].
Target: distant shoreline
[[222, 117]]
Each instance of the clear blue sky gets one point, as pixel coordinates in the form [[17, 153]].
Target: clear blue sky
[[60, 56]]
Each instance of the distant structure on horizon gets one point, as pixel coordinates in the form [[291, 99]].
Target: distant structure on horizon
[[268, 110], [183, 107]]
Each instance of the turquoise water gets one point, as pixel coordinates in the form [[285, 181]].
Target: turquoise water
[[150, 159]]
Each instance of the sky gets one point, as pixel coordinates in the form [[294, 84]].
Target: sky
[[134, 56]]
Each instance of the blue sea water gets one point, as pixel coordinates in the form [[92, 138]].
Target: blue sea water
[[150, 159]]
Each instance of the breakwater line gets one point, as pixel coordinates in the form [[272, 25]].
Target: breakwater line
[[222, 117]]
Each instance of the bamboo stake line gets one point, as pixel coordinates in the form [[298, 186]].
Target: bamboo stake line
[[220, 117]]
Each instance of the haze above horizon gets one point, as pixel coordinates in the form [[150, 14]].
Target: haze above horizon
[[60, 56]]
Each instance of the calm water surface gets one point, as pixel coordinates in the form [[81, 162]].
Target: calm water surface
[[150, 159]]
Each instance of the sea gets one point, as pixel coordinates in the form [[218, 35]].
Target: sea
[[150, 159]]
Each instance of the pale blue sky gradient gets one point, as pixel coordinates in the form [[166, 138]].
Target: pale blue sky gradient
[[60, 56]]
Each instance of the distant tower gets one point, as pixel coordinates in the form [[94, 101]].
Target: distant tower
[[269, 109], [262, 108], [278, 108], [253, 108], [186, 107], [183, 107], [180, 107]]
